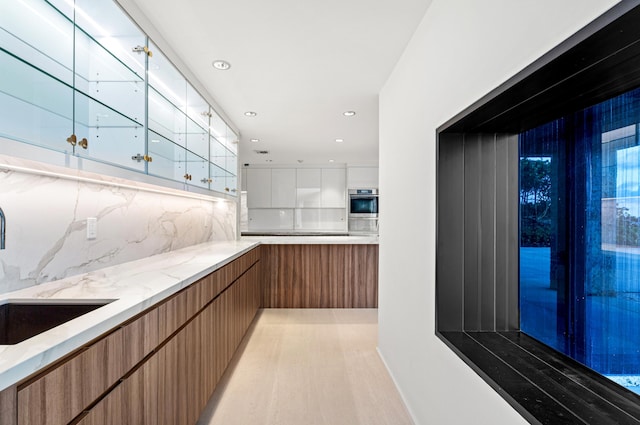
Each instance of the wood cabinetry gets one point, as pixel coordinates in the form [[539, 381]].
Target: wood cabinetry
[[320, 276], [8, 406], [159, 368], [62, 393]]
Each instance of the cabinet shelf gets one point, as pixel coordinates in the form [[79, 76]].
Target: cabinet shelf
[[75, 68]]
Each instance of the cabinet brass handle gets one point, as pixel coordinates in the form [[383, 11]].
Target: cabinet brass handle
[[187, 176], [72, 139], [147, 158], [145, 49], [84, 143], [226, 189]]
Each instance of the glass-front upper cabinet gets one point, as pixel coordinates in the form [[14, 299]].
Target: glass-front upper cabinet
[[110, 63], [223, 155], [167, 121], [79, 77], [36, 88]]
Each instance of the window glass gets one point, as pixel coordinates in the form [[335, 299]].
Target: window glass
[[580, 236]]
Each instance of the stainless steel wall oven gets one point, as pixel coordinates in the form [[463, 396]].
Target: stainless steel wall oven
[[363, 211]]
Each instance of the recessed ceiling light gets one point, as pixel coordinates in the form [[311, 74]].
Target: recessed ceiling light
[[255, 140], [251, 113], [221, 65], [349, 113], [339, 140], [331, 160]]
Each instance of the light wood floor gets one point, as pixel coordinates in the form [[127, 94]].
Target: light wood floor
[[308, 367]]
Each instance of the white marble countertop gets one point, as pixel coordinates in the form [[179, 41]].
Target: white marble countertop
[[134, 286], [312, 240]]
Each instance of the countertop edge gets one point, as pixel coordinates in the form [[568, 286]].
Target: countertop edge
[[312, 240], [22, 360]]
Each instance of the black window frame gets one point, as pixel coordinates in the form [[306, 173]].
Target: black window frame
[[477, 303]]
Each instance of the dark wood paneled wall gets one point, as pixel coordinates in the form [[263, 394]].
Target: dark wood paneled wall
[[320, 276], [477, 242]]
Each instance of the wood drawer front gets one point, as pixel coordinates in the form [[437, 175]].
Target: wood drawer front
[[64, 392], [227, 274], [134, 401], [8, 402]]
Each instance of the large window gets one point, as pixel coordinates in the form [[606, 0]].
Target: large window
[[580, 236]]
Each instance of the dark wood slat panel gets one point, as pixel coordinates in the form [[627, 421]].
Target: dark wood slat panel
[[487, 231], [320, 276], [450, 237], [472, 243]]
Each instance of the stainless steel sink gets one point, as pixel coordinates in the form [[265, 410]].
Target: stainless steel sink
[[20, 320]]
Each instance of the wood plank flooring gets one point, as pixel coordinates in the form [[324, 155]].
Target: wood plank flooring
[[308, 367]]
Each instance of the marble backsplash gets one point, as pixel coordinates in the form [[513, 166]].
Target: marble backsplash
[[46, 220]]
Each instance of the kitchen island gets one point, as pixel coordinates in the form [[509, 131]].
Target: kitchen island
[[329, 271]]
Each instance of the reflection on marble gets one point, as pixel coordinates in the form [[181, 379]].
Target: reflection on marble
[[47, 215]]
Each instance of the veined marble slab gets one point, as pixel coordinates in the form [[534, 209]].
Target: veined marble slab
[[47, 208], [312, 240], [134, 286]]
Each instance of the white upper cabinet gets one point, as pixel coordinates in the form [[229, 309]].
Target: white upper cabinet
[[283, 188], [308, 187], [333, 192], [362, 177], [258, 188]]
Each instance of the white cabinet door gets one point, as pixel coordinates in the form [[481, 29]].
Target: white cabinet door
[[334, 190], [321, 219], [362, 178], [271, 219], [308, 187], [258, 188], [283, 187]]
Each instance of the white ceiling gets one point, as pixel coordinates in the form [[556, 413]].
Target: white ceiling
[[298, 63]]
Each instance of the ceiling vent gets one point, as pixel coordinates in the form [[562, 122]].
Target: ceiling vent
[[259, 152]]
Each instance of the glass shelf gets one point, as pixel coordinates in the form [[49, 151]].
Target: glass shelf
[[166, 79], [219, 178], [198, 169], [114, 33], [169, 159], [37, 109], [165, 119], [47, 40], [69, 67]]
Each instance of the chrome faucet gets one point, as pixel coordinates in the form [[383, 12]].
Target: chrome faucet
[[3, 226]]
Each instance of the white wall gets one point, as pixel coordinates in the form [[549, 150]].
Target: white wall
[[462, 50]]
